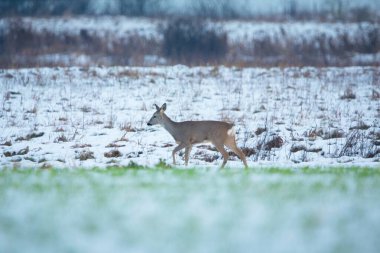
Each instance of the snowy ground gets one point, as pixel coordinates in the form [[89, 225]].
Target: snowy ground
[[199, 210], [96, 117]]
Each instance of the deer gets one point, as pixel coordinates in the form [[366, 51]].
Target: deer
[[188, 133]]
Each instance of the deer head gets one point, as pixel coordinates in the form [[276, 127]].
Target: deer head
[[157, 115]]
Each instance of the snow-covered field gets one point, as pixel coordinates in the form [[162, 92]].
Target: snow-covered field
[[311, 137], [96, 117]]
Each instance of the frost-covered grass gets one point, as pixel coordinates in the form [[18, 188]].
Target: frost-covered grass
[[134, 209]]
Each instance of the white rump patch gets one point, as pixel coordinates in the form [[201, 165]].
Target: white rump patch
[[231, 131]]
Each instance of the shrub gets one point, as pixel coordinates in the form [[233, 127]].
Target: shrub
[[193, 41]]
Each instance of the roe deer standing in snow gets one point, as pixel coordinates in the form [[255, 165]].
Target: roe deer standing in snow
[[188, 133]]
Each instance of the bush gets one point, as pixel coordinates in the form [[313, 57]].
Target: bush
[[193, 41]]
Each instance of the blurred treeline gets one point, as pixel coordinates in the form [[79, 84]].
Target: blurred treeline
[[275, 10]]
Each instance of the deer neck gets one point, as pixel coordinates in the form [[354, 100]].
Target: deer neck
[[169, 125]]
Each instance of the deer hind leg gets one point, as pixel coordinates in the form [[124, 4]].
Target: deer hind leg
[[220, 148], [231, 143], [178, 148], [187, 154]]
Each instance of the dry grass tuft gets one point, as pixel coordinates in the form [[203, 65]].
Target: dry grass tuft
[[85, 155], [113, 153], [275, 142], [30, 136], [348, 94]]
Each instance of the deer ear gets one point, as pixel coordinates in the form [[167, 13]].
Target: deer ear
[[163, 107], [157, 108]]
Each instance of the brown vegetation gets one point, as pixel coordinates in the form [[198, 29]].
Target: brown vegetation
[[112, 153], [185, 41], [21, 46]]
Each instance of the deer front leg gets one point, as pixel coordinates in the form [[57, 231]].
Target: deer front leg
[[178, 148], [187, 153]]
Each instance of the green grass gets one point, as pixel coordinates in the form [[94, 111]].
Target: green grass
[[162, 209]]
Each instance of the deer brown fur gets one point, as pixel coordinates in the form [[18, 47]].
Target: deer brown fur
[[188, 133]]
